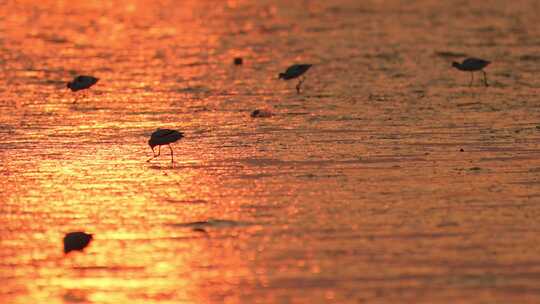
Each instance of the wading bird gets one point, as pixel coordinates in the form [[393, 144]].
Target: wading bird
[[472, 65], [82, 82], [162, 137], [295, 71], [76, 241]]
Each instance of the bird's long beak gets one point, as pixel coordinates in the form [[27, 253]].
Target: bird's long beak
[[153, 155]]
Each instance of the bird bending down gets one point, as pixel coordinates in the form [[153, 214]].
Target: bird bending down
[[162, 137], [295, 71], [82, 82], [472, 65]]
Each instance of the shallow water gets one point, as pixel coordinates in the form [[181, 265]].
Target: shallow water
[[387, 180]]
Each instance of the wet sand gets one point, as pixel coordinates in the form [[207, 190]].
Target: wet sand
[[388, 180]]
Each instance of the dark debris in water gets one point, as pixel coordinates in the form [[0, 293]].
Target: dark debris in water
[[194, 89], [448, 54], [445, 224], [260, 113], [378, 97], [387, 56], [212, 223], [201, 230], [529, 57], [187, 202]]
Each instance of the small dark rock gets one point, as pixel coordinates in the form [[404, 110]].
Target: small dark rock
[[76, 241], [238, 61], [461, 150]]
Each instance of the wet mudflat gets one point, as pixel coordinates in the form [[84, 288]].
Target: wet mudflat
[[388, 180]]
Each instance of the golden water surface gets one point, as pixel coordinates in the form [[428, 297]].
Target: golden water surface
[[388, 180]]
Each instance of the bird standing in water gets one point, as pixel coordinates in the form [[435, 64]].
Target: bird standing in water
[[82, 82], [472, 65], [162, 137], [295, 71]]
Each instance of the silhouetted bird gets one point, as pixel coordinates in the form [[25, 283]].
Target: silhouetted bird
[[76, 241], [295, 71], [472, 65], [162, 137], [82, 82]]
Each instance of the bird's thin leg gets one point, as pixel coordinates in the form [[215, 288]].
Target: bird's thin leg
[[472, 78], [299, 85], [154, 154], [172, 154], [485, 78]]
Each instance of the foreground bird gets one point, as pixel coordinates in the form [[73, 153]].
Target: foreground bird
[[76, 241], [295, 71], [82, 82], [162, 137], [472, 65]]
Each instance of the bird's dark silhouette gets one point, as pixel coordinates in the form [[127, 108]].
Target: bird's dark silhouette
[[472, 65], [295, 71], [82, 82], [76, 241], [162, 137]]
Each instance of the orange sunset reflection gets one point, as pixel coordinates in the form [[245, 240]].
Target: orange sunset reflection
[[386, 179]]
